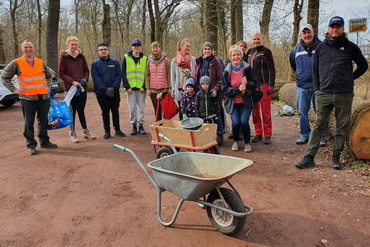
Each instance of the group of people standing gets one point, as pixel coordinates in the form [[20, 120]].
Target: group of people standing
[[202, 87]]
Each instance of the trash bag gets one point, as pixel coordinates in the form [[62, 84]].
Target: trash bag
[[59, 115], [169, 107], [286, 111]]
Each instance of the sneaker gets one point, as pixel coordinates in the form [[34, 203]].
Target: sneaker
[[257, 138], [248, 148], [32, 151], [322, 143], [301, 141], [48, 145], [220, 139], [267, 140], [336, 163], [307, 162], [119, 133], [235, 146], [87, 134], [73, 137], [106, 135]]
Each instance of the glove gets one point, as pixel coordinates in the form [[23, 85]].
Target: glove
[[213, 93], [110, 92], [270, 90], [83, 82], [184, 116]]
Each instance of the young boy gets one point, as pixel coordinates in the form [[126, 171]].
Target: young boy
[[206, 104], [188, 100]]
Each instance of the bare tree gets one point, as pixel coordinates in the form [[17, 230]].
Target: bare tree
[[266, 17], [211, 22], [143, 21], [77, 4], [2, 51], [106, 24], [52, 30], [13, 7], [39, 21], [222, 29], [313, 14], [297, 10]]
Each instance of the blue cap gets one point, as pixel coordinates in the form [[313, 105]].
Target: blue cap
[[336, 20], [136, 42], [190, 82]]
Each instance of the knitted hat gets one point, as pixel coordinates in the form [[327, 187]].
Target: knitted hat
[[207, 44], [190, 82], [205, 80]]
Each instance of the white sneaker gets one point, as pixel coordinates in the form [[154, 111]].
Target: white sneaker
[[248, 148], [235, 146]]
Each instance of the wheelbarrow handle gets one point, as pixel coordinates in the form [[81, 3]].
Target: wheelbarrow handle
[[119, 147], [169, 141]]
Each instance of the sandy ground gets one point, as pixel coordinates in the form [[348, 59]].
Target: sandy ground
[[90, 194]]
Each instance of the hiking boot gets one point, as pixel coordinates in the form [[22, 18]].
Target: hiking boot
[[87, 135], [247, 148], [73, 137], [336, 163], [235, 146], [32, 151], [257, 138], [141, 129], [220, 139], [134, 129], [267, 140], [48, 144], [322, 142], [301, 141], [307, 162], [119, 133], [106, 135]]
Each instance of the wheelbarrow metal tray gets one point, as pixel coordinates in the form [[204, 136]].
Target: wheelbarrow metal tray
[[191, 175], [200, 139]]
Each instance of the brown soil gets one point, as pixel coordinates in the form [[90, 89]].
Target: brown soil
[[90, 194]]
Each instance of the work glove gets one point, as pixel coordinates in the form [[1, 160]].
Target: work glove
[[83, 82], [184, 116], [110, 92], [270, 90], [213, 93]]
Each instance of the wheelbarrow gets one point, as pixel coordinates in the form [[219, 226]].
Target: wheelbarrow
[[192, 176]]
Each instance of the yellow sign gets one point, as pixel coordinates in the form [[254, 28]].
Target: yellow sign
[[357, 25]]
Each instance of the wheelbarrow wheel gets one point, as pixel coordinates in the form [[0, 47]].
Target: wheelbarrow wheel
[[224, 222], [163, 152], [213, 150]]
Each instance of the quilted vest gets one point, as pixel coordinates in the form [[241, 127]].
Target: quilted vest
[[158, 75]]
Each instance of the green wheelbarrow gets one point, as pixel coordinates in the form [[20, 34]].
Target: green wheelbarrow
[[198, 177]]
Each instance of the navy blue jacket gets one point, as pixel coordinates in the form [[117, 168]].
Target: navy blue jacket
[[106, 73], [332, 67], [301, 60]]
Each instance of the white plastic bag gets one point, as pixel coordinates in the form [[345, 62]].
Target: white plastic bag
[[71, 92]]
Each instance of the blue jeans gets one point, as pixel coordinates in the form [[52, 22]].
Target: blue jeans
[[304, 98], [240, 120]]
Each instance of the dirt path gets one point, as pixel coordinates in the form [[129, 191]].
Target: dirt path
[[90, 194]]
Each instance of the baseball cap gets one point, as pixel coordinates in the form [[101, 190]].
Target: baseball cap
[[136, 42], [336, 20], [306, 26]]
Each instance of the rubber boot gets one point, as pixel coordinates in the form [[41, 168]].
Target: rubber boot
[[87, 135], [134, 129], [141, 129]]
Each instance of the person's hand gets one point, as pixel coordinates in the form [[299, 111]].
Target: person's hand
[[242, 87], [244, 80], [159, 96], [141, 90], [76, 83], [129, 91], [148, 92], [213, 93], [83, 82], [19, 91], [270, 90], [110, 92]]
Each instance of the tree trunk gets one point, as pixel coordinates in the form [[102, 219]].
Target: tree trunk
[[13, 6], [297, 10], [221, 12], [211, 22], [232, 21], [143, 21], [239, 20], [39, 30], [313, 14], [264, 23], [152, 21], [2, 51], [77, 4], [52, 30], [106, 25]]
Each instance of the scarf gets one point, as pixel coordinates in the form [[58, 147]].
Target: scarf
[[183, 61], [237, 69]]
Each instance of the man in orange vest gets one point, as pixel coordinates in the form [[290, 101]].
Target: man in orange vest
[[33, 93]]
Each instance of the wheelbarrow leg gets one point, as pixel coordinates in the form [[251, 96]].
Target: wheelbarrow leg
[[159, 210]]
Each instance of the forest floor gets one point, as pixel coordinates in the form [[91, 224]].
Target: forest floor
[[90, 194]]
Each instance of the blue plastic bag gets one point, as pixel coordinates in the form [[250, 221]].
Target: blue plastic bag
[[59, 115]]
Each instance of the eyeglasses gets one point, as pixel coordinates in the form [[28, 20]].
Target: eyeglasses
[[103, 49]]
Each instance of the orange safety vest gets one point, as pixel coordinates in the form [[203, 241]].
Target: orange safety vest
[[32, 79]]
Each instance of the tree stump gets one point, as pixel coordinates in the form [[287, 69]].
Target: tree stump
[[358, 141]]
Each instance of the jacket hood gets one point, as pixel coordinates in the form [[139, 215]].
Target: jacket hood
[[131, 55], [65, 52]]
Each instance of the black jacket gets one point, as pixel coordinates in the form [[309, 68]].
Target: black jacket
[[230, 92], [332, 67], [205, 105], [262, 62]]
